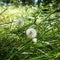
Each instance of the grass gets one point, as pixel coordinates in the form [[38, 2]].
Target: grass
[[14, 42]]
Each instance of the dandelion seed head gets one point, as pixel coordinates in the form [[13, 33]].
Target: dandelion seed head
[[19, 22], [31, 33], [34, 40]]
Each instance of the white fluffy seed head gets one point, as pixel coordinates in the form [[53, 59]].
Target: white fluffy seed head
[[31, 33], [34, 40], [19, 22]]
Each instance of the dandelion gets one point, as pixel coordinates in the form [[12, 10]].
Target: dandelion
[[34, 40], [31, 33], [19, 22]]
